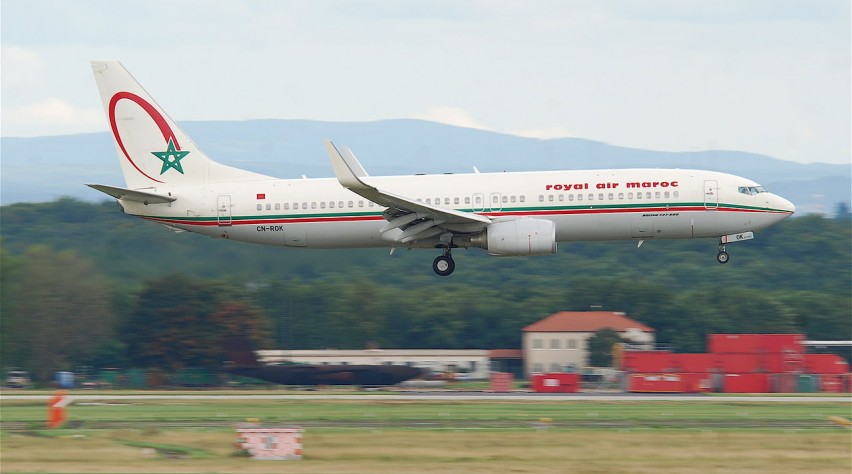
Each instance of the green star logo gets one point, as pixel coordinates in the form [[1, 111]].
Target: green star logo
[[171, 157]]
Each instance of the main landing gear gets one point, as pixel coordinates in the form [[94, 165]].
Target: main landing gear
[[444, 264]]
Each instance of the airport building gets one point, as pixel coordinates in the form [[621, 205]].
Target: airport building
[[559, 342], [473, 363]]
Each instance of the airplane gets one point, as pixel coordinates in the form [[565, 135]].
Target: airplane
[[169, 180], [245, 364]]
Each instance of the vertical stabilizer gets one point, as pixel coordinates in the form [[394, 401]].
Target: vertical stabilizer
[[153, 150]]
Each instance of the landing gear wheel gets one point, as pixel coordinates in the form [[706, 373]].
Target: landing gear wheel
[[443, 265], [722, 257]]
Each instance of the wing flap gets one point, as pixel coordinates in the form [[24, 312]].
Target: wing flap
[[349, 173]]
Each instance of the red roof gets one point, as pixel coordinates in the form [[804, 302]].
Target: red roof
[[586, 321], [506, 354]]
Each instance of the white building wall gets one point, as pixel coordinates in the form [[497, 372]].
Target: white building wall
[[554, 351]]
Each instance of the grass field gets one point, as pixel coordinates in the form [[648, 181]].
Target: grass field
[[386, 436]]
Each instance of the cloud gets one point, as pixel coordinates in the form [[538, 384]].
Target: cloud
[[50, 116], [451, 116], [17, 57]]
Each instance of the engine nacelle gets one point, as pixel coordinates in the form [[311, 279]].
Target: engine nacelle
[[518, 237]]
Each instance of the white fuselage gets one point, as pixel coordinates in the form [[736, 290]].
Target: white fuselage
[[584, 205]]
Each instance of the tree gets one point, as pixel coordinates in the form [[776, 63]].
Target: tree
[[56, 311], [179, 322], [600, 347]]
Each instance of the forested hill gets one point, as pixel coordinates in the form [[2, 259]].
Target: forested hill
[[794, 277], [802, 253]]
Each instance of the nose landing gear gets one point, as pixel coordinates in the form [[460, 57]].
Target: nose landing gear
[[722, 256]]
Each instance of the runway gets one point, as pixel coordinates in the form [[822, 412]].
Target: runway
[[449, 396]]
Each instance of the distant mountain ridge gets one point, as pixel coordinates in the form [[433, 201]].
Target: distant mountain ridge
[[44, 168]]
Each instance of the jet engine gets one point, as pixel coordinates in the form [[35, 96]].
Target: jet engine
[[517, 237]]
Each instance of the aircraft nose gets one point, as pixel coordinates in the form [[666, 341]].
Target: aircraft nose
[[784, 205]]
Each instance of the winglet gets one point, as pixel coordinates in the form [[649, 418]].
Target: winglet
[[347, 168]]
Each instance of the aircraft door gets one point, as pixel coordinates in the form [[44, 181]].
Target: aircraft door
[[711, 195], [223, 210]]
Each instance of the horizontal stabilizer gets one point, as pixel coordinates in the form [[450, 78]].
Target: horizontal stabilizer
[[132, 195]]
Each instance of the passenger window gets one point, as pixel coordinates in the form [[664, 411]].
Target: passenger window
[[512, 199], [666, 194], [676, 193], [260, 207], [360, 203], [561, 197], [268, 206], [313, 205], [304, 205], [467, 199], [657, 195], [620, 196], [370, 204], [591, 197], [550, 197], [277, 206], [455, 200], [446, 201], [579, 197], [351, 204], [523, 198], [541, 198], [505, 199], [600, 197], [331, 204], [286, 206], [638, 195], [611, 196], [648, 195], [340, 204], [570, 197], [428, 200]]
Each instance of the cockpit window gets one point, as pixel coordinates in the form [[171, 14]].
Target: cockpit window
[[751, 190]]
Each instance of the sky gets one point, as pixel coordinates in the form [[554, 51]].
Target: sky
[[763, 76]]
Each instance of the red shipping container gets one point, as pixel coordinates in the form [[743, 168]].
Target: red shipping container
[[782, 363], [754, 343], [649, 361], [695, 382], [733, 343], [655, 383], [696, 363], [831, 383], [784, 383], [778, 343], [746, 383], [825, 364], [739, 363], [556, 383]]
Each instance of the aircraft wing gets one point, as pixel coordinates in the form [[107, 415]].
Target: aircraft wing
[[416, 219]]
